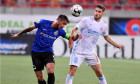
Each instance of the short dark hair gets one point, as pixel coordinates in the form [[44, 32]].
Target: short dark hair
[[63, 17], [101, 7]]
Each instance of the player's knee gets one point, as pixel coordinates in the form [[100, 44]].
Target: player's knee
[[72, 73], [50, 70], [40, 78], [72, 70]]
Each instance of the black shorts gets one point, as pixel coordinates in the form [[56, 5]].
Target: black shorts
[[40, 59]]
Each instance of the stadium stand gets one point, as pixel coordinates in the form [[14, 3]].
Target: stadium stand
[[86, 4], [132, 5]]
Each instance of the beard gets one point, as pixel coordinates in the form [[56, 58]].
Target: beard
[[56, 26], [97, 18]]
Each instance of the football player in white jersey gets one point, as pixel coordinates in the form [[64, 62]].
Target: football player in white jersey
[[84, 49]]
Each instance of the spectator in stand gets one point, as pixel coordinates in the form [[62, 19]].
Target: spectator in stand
[[22, 3], [10, 3], [54, 3], [3, 2], [123, 1]]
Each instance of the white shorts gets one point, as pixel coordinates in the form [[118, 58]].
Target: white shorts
[[90, 59]]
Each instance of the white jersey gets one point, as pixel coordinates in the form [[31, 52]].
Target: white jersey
[[90, 30]]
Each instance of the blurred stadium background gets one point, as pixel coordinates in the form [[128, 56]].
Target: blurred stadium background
[[119, 67]]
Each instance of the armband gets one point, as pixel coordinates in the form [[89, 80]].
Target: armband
[[67, 36]]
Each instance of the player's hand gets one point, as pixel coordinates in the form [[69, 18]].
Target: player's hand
[[71, 42], [79, 36], [14, 35], [120, 46]]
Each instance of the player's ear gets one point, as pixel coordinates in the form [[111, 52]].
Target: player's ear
[[58, 19]]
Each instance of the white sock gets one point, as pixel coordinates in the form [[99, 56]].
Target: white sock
[[102, 80], [69, 79]]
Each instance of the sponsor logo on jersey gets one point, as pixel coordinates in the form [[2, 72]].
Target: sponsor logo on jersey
[[45, 35], [93, 32]]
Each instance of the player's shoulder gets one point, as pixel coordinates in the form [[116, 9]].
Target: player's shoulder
[[85, 18], [44, 21], [89, 18], [62, 30], [103, 23]]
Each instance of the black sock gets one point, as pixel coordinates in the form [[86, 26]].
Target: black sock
[[51, 78], [42, 82]]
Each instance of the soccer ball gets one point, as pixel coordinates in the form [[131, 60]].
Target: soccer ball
[[76, 10]]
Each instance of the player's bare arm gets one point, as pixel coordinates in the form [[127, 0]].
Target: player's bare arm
[[24, 31], [73, 38], [108, 39]]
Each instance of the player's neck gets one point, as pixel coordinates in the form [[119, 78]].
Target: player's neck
[[97, 20], [54, 25]]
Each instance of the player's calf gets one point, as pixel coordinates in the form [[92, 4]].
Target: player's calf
[[70, 76], [72, 70], [51, 78], [42, 82], [99, 73]]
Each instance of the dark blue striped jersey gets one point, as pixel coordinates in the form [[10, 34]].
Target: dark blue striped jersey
[[45, 36]]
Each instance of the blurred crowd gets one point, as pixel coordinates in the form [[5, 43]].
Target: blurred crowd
[[109, 4]]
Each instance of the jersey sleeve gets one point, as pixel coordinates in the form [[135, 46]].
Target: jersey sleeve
[[64, 34], [38, 23], [105, 32], [81, 24], [67, 36]]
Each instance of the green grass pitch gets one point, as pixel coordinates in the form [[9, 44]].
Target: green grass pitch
[[18, 70]]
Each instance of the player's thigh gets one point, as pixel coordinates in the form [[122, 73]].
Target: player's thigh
[[37, 61], [92, 59], [96, 67], [97, 70], [49, 61], [48, 57], [76, 59]]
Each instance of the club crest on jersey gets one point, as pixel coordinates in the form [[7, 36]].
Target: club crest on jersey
[[56, 33], [101, 28], [90, 24]]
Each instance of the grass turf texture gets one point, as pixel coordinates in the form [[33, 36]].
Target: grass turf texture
[[18, 70]]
